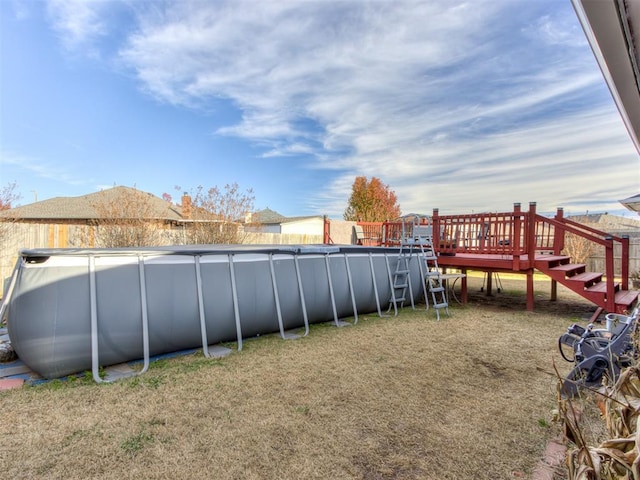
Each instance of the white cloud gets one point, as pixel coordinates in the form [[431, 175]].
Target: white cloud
[[453, 104], [78, 22], [21, 9], [283, 57], [557, 30], [290, 149], [38, 168]]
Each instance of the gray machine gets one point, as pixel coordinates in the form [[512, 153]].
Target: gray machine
[[598, 352]]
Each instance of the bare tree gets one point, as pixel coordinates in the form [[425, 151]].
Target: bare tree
[[578, 248], [8, 198], [215, 216], [126, 217]]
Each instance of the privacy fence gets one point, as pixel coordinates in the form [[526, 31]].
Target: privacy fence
[[21, 235]]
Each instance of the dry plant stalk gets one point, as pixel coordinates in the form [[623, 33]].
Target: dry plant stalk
[[618, 457]]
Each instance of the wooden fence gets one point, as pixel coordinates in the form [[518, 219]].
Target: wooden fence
[[33, 235]]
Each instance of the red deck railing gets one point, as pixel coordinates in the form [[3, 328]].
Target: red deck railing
[[519, 234], [372, 233], [563, 226], [484, 233], [516, 236]]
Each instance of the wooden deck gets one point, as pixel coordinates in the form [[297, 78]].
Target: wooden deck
[[519, 242], [489, 263]]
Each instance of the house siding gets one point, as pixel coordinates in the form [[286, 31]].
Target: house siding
[[311, 226]]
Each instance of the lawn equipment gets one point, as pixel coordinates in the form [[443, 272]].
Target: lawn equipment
[[598, 352]]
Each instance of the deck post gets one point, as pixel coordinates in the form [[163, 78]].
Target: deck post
[[558, 237], [435, 231], [530, 290], [531, 232], [326, 237], [558, 246], [463, 286], [625, 262], [531, 253], [611, 294], [517, 227]]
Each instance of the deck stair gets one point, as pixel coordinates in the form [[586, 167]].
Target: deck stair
[[589, 285]]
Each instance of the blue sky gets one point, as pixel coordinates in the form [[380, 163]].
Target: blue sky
[[465, 106]]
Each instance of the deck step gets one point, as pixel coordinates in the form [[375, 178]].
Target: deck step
[[627, 297], [570, 269], [587, 278], [553, 259], [601, 287]]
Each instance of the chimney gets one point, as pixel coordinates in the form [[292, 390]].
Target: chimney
[[186, 206]]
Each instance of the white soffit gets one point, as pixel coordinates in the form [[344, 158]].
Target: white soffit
[[612, 28]]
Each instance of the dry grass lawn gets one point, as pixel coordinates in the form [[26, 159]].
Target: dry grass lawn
[[468, 397]]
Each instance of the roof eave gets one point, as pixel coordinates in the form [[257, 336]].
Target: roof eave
[[613, 48]]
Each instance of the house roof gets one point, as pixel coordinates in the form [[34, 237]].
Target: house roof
[[632, 203], [267, 216], [612, 28], [93, 205], [607, 221], [271, 217]]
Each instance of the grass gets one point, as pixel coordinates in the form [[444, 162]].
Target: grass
[[470, 396]]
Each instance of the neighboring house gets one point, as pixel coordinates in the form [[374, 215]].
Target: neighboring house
[[608, 223], [73, 222], [65, 217], [269, 221], [80, 222], [92, 207], [616, 225]]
